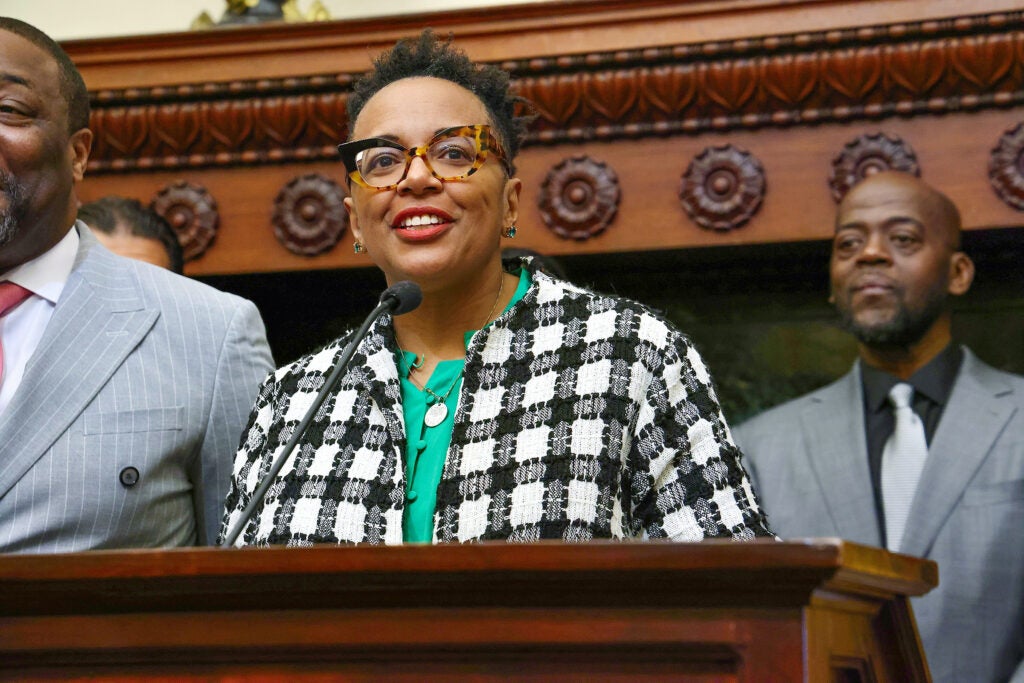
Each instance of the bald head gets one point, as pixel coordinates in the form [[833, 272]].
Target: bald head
[[903, 194]]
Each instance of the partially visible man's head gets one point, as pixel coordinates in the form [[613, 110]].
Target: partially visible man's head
[[72, 87], [128, 228], [896, 259], [44, 142]]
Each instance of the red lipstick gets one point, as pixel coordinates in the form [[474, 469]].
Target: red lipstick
[[421, 223]]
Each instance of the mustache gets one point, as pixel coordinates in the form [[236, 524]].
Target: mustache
[[9, 184], [15, 191], [17, 204]]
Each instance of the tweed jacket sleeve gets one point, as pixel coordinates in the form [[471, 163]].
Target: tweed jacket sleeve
[[252, 459], [580, 417], [688, 475]]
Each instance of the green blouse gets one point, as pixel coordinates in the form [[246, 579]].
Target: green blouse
[[427, 447]]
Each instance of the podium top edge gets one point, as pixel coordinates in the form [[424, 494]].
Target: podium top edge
[[820, 554]]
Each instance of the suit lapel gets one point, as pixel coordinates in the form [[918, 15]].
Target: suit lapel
[[971, 422], [97, 322], [833, 427]]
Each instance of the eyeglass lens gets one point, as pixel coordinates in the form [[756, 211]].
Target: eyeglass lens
[[449, 157]]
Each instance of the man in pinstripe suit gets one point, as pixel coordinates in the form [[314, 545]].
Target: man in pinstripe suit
[[124, 387]]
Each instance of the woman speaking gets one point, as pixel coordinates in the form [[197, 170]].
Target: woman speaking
[[509, 405]]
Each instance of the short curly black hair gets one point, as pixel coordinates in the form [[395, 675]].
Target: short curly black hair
[[431, 56]]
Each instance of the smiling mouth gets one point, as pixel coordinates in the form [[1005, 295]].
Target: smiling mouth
[[420, 222]]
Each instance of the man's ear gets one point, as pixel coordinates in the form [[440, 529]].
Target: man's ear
[[79, 146], [961, 273]]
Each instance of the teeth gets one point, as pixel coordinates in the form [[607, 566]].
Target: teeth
[[416, 221]]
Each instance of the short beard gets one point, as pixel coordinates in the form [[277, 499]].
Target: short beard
[[906, 327], [17, 205]]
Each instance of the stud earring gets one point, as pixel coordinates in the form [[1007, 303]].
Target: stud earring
[[357, 247], [509, 232]]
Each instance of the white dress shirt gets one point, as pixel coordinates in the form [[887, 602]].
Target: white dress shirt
[[22, 329]]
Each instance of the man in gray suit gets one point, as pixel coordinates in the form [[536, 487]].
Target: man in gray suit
[[821, 463], [124, 388]]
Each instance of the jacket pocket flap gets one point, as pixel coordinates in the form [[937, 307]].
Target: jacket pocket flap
[[130, 421]]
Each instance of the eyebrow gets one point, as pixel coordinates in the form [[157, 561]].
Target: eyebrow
[[394, 138], [861, 224], [11, 78]]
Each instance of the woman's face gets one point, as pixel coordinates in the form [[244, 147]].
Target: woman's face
[[438, 233]]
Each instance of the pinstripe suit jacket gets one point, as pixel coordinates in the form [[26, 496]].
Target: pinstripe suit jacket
[[808, 459], [138, 368]]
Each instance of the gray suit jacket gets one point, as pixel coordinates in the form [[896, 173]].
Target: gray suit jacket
[[808, 461], [138, 368]]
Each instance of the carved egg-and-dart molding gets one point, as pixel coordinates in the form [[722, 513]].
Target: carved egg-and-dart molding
[[869, 154], [579, 198], [192, 212], [309, 214], [722, 188], [1006, 167]]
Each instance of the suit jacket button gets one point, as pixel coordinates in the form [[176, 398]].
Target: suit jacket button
[[129, 477]]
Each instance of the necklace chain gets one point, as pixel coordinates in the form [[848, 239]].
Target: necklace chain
[[501, 286], [439, 411], [424, 387], [420, 358]]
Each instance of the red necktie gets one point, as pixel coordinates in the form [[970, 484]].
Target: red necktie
[[10, 296]]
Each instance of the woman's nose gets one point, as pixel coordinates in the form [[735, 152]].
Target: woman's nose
[[418, 177]]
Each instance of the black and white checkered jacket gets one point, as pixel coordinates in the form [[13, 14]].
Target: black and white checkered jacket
[[581, 416]]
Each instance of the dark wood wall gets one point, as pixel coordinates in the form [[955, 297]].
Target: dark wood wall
[[688, 154]]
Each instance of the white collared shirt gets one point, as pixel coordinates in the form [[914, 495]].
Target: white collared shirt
[[22, 329]]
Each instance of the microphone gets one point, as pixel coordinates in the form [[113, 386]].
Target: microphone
[[397, 299], [406, 296]]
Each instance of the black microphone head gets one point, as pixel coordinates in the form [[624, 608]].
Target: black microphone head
[[402, 297]]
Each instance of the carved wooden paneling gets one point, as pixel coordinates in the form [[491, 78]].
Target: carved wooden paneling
[[1006, 167], [579, 198], [869, 154], [192, 212], [309, 214], [816, 94], [863, 73], [722, 188], [217, 125]]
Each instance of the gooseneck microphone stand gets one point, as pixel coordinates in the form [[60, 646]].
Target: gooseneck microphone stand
[[397, 299]]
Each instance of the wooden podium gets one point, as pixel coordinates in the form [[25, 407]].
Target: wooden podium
[[809, 610]]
